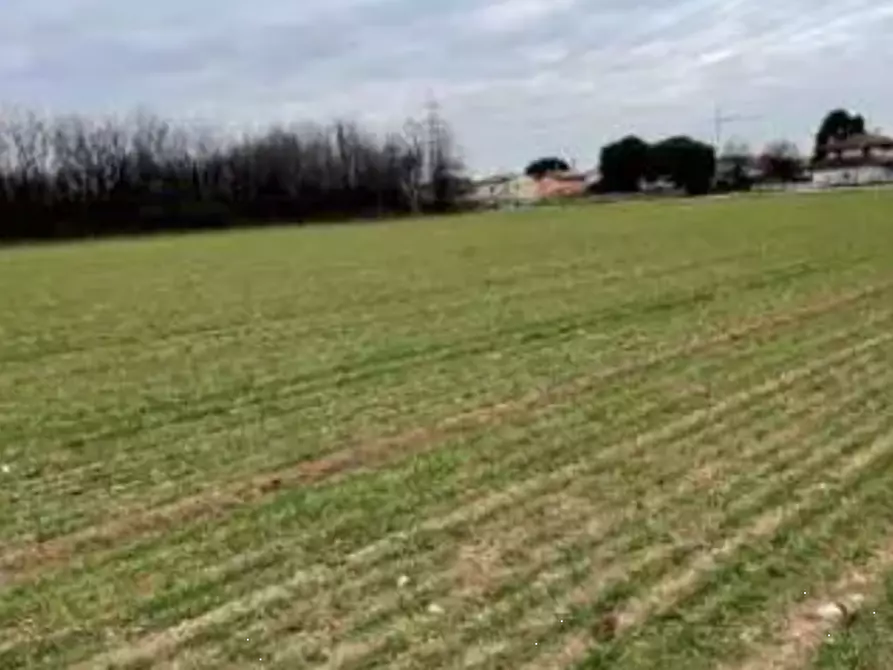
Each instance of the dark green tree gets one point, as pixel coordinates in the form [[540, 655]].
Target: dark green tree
[[838, 124], [624, 164], [686, 162], [543, 166]]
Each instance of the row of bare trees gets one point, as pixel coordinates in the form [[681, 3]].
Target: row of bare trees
[[75, 176], [779, 162]]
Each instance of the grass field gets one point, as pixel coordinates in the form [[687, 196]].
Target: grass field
[[632, 436]]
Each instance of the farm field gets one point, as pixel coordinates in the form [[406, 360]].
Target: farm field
[[633, 436]]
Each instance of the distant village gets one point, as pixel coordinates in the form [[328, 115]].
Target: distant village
[[843, 159]]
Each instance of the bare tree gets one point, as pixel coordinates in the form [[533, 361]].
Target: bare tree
[[73, 176], [781, 161]]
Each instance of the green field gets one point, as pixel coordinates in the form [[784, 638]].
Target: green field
[[620, 436]]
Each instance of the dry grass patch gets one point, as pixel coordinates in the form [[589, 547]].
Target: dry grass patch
[[830, 608], [489, 561]]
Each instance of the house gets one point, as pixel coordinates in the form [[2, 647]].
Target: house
[[561, 185], [503, 190], [514, 190], [855, 161]]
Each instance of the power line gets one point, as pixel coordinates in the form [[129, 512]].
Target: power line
[[720, 120]]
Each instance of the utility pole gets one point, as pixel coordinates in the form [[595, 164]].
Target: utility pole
[[720, 120], [432, 132], [434, 150]]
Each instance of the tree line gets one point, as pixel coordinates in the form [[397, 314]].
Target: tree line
[[68, 177], [72, 176]]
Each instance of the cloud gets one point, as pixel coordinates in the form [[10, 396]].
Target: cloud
[[514, 15], [516, 78]]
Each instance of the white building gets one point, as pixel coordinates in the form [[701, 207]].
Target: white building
[[504, 190], [855, 161]]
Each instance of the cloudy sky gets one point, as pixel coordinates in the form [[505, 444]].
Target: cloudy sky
[[515, 78]]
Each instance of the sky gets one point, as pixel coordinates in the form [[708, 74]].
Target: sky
[[515, 79]]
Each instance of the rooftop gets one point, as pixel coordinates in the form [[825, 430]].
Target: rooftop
[[566, 175], [861, 141], [494, 179]]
